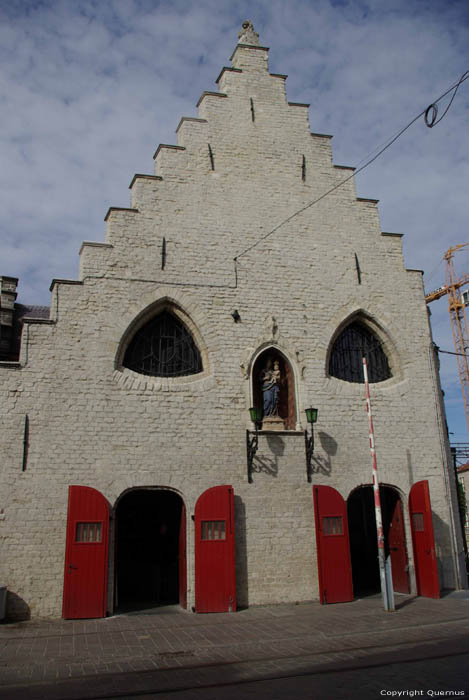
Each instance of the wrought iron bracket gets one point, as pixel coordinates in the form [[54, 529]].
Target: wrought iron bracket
[[252, 443], [25, 442], [309, 447]]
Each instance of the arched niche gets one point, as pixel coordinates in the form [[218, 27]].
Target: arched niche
[[272, 375]]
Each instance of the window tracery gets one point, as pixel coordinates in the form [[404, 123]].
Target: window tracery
[[163, 347], [356, 341]]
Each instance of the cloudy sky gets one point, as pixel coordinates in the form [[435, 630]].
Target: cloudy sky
[[88, 88]]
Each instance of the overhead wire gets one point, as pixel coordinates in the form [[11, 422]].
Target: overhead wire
[[430, 122], [433, 272], [431, 112], [448, 352], [368, 162]]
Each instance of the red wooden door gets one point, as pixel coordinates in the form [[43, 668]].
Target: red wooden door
[[86, 554], [182, 560], [215, 574], [397, 550], [423, 541], [332, 542]]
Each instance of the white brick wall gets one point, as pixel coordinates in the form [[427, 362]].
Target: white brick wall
[[93, 424]]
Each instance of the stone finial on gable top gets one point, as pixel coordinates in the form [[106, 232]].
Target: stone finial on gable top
[[247, 35]]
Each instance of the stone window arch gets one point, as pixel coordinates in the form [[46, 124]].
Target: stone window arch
[[357, 340], [163, 347], [271, 367]]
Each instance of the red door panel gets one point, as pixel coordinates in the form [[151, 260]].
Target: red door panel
[[182, 560], [423, 541], [215, 575], [332, 542], [397, 550], [86, 554]]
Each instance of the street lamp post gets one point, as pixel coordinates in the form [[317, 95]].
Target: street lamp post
[[311, 417], [252, 443]]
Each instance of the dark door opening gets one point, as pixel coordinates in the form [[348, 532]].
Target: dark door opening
[[149, 549], [363, 540]]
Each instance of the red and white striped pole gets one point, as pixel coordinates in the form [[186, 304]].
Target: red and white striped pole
[[384, 567]]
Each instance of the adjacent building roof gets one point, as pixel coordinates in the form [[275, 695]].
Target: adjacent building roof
[[20, 312]]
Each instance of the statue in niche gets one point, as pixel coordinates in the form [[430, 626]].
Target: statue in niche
[[270, 378]]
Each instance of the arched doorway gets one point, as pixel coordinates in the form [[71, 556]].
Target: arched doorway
[[150, 549], [363, 540]]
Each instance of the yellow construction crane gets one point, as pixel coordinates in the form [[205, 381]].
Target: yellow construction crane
[[457, 311]]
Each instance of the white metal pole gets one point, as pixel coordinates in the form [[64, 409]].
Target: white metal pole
[[384, 571]]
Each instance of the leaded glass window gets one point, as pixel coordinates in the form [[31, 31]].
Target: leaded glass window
[[355, 342], [163, 348]]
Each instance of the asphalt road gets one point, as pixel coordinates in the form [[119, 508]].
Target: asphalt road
[[294, 652]]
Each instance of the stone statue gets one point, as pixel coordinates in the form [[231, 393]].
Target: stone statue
[[247, 35], [270, 379]]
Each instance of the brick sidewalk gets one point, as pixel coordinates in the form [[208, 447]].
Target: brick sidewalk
[[150, 654]]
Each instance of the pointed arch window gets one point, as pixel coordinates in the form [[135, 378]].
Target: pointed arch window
[[163, 347], [356, 341]]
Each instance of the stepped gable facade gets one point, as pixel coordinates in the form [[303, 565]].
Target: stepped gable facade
[[125, 425]]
